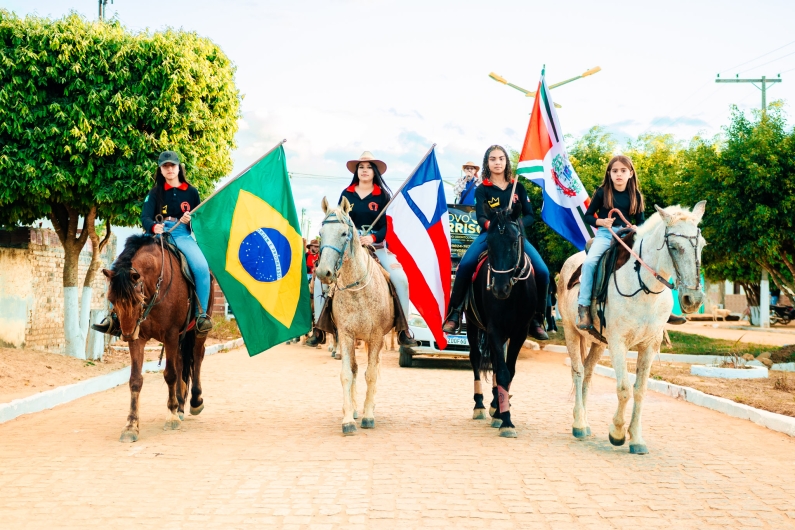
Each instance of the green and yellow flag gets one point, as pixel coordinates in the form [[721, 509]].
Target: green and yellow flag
[[248, 231]]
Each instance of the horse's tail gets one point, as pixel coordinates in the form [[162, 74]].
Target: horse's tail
[[186, 351]]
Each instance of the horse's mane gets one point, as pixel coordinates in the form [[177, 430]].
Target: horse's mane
[[121, 284], [677, 213]]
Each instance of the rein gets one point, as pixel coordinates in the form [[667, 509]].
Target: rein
[[522, 273], [362, 282], [639, 261]]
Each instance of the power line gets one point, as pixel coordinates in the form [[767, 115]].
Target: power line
[[765, 64], [755, 58]]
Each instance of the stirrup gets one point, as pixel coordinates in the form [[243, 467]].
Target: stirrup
[[203, 325], [455, 318]]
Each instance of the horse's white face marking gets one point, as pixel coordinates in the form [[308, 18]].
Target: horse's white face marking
[[337, 232]]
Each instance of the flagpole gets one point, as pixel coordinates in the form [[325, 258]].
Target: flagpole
[[399, 190], [230, 181]]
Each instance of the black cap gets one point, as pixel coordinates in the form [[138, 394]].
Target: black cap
[[168, 157]]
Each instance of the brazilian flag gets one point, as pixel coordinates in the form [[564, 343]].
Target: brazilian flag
[[248, 231]]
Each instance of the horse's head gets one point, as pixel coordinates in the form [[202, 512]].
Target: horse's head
[[685, 243], [126, 294], [338, 237], [505, 240]]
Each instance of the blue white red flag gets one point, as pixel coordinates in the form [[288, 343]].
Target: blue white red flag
[[418, 233], [545, 163]]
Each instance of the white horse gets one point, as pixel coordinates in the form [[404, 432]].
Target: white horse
[[362, 307], [669, 242]]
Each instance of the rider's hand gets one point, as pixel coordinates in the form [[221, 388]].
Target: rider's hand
[[607, 223], [157, 229], [367, 240], [185, 219]]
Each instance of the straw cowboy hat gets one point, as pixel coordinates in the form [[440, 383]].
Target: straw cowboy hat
[[314, 243], [367, 156], [471, 164]]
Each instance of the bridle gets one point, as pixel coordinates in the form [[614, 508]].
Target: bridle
[[639, 261], [517, 273], [347, 248]]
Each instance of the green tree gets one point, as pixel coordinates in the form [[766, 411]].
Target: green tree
[[86, 107], [656, 158]]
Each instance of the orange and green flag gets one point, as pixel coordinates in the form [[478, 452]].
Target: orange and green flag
[[249, 233]]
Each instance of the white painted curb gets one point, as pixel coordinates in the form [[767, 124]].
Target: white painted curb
[[754, 372], [64, 394], [770, 420]]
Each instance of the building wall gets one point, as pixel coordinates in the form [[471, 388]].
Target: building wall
[[31, 288]]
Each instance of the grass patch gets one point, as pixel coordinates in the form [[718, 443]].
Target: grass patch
[[224, 329], [689, 344]]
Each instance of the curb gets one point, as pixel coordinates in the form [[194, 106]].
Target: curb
[[770, 420], [64, 394]]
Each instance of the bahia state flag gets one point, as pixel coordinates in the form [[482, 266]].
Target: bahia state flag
[[248, 231], [418, 233], [545, 163]]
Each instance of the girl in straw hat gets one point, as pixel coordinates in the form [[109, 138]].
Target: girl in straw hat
[[369, 195], [465, 187]]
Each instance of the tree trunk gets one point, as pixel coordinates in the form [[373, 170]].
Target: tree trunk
[[64, 219], [97, 247], [751, 293]]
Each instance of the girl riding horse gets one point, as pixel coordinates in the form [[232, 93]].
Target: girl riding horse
[[495, 192]]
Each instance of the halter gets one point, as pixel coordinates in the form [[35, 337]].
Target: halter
[[521, 273], [362, 282]]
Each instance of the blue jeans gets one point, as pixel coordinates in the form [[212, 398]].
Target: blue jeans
[[601, 242], [196, 261], [469, 262]]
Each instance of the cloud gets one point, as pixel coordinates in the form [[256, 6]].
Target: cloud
[[670, 121]]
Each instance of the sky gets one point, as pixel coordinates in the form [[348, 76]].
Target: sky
[[337, 77]]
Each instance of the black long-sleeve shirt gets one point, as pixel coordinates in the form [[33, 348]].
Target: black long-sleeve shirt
[[176, 201], [365, 210], [488, 193], [621, 201]]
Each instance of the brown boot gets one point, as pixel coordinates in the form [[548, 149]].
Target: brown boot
[[584, 316]]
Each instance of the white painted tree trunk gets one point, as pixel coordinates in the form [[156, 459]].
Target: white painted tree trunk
[[85, 310], [75, 340]]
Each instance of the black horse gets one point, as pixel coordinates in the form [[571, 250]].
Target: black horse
[[500, 310]]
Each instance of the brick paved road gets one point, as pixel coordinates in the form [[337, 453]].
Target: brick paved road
[[268, 452]]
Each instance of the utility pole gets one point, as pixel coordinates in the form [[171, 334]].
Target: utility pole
[[764, 284], [103, 6]]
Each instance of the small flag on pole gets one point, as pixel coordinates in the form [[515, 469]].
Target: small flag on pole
[[249, 233], [545, 163], [418, 233]]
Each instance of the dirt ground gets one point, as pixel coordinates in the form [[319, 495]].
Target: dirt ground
[[775, 394], [27, 372]]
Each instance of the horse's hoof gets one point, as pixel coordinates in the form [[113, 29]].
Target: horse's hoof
[[638, 449], [496, 423], [195, 411], [492, 411], [349, 429], [368, 423], [128, 437], [507, 432], [479, 414], [171, 425], [580, 433], [338, 356], [616, 442], [181, 415]]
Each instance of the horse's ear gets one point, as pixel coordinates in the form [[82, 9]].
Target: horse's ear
[[663, 214], [345, 205], [135, 275], [324, 205], [516, 211], [108, 274], [698, 210]]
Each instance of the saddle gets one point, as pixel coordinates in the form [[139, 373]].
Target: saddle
[[325, 321], [613, 259], [190, 320]]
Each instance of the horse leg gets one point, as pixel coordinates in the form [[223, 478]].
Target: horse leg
[[355, 372], [646, 353], [575, 344], [618, 352], [503, 378], [196, 400], [595, 353], [176, 389], [479, 413], [130, 432], [371, 375], [515, 344], [345, 345]]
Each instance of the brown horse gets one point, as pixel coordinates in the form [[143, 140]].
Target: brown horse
[[150, 297]]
